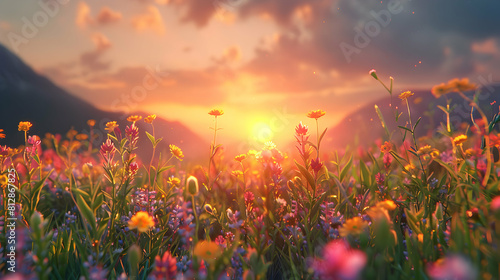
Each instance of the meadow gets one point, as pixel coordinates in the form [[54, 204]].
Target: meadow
[[409, 208]]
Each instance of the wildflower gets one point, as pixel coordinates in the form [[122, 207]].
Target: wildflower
[[460, 139], [176, 152], [81, 137], [209, 208], [134, 118], [380, 178], [316, 165], [237, 173], [110, 126], [387, 160], [373, 73], [221, 241], [495, 204], [249, 197], [452, 267], [354, 226], [405, 95], [141, 221], [427, 149], [340, 262], [387, 147], [71, 134], [24, 126], [165, 267], [108, 150], [91, 122], [192, 185], [301, 130], [208, 251], [387, 204], [461, 85], [174, 182], [133, 167], [440, 90], [240, 158], [2, 135], [316, 114], [216, 112], [149, 119], [132, 133], [3, 180]]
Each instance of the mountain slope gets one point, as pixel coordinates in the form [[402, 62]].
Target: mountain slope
[[27, 96], [363, 127]]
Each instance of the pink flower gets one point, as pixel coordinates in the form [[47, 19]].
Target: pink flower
[[452, 267], [165, 267], [387, 160], [301, 130], [316, 165], [221, 241], [340, 262], [108, 150], [249, 197], [495, 204], [132, 133], [133, 167]]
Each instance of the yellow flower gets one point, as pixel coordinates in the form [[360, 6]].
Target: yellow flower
[[141, 221], [409, 167], [150, 118], [237, 173], [110, 126], [208, 251], [216, 112], [13, 151], [405, 95], [176, 152], [316, 114], [354, 226], [24, 126], [3, 180], [387, 204], [240, 158], [460, 139], [134, 119], [2, 135], [377, 213], [91, 122], [174, 182]]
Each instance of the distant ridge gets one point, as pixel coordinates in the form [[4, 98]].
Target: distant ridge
[[28, 96]]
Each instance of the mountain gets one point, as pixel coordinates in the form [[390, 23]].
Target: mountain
[[27, 96], [362, 127]]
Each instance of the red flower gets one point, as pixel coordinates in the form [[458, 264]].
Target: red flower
[[301, 129], [316, 165]]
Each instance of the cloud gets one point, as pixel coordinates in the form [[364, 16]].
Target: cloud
[[152, 19], [91, 61], [106, 16], [230, 55], [83, 17]]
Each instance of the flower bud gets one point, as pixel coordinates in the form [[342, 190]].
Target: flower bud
[[192, 185]]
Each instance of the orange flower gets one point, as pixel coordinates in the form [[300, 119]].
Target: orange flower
[[405, 95], [387, 204], [441, 89], [387, 147], [354, 226], [134, 119], [240, 158], [461, 85], [316, 114], [208, 251], [176, 152], [24, 126], [460, 139], [81, 137], [150, 118], [110, 126], [216, 112], [2, 135], [91, 122], [141, 221]]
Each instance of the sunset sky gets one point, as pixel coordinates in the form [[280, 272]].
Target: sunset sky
[[266, 63]]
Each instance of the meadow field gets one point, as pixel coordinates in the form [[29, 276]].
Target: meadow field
[[406, 208]]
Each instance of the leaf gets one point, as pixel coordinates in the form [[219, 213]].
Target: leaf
[[86, 212], [306, 174], [447, 167], [321, 137], [346, 169], [151, 138], [405, 128], [381, 118], [418, 121]]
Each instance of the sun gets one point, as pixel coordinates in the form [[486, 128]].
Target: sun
[[261, 132]]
